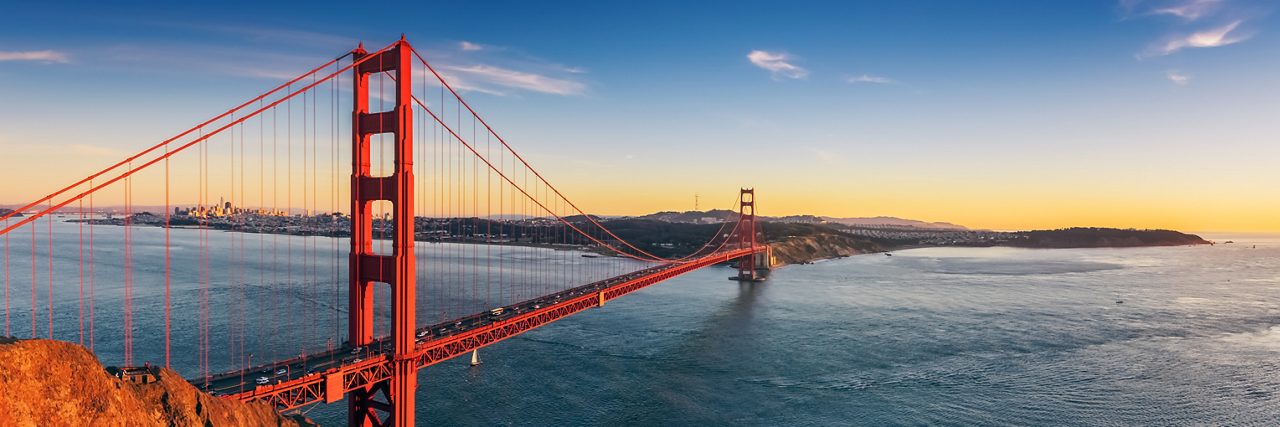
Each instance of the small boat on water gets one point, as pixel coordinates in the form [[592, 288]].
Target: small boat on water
[[888, 254], [590, 255]]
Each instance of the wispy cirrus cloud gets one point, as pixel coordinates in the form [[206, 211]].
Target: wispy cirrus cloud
[[868, 78], [1214, 37], [1204, 23], [47, 56], [480, 77], [1189, 10], [778, 64], [1178, 78], [468, 66], [502, 70]]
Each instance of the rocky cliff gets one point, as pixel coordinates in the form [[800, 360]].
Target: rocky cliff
[[45, 382], [804, 249]]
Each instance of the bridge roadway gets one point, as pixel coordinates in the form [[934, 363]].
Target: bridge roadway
[[327, 376]]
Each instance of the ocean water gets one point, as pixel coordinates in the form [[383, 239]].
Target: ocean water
[[952, 336], [943, 336]]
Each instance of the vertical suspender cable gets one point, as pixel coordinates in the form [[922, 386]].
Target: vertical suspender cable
[[204, 260], [313, 312], [333, 200], [49, 263], [262, 238], [274, 290], [488, 224], [304, 330], [168, 266], [128, 268], [230, 216], [33, 280], [80, 268], [288, 179], [6, 280], [242, 283], [261, 232], [91, 269]]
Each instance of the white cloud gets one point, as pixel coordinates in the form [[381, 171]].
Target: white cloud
[[1190, 10], [35, 56], [1187, 10], [867, 78], [1178, 78], [1221, 36], [777, 64], [469, 46], [474, 77], [461, 84]]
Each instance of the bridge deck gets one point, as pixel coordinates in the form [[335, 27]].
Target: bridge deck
[[328, 376]]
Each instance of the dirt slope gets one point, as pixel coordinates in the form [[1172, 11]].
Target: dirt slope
[[44, 382]]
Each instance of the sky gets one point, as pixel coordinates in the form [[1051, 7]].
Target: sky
[[990, 114]]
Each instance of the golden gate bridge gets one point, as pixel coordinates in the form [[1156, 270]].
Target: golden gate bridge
[[455, 242]]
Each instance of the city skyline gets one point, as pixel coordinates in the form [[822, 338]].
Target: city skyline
[[1145, 114]]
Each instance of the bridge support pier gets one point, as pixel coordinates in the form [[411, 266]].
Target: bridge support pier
[[404, 384]]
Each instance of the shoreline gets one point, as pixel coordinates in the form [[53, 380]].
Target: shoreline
[[795, 250]]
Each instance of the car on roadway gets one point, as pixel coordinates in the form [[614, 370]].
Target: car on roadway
[[423, 333], [262, 381], [282, 371]]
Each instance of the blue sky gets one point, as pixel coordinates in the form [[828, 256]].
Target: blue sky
[[1001, 114]]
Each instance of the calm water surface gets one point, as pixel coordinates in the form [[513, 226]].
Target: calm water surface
[[953, 336], [989, 336]]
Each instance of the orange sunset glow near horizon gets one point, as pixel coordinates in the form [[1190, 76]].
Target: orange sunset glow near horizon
[[1122, 116]]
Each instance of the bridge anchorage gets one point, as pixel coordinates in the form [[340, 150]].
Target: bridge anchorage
[[482, 246]]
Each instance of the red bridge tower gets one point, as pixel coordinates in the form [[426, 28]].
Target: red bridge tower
[[747, 214], [390, 401]]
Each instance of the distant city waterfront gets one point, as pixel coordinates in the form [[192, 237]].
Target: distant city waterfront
[[225, 216]]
